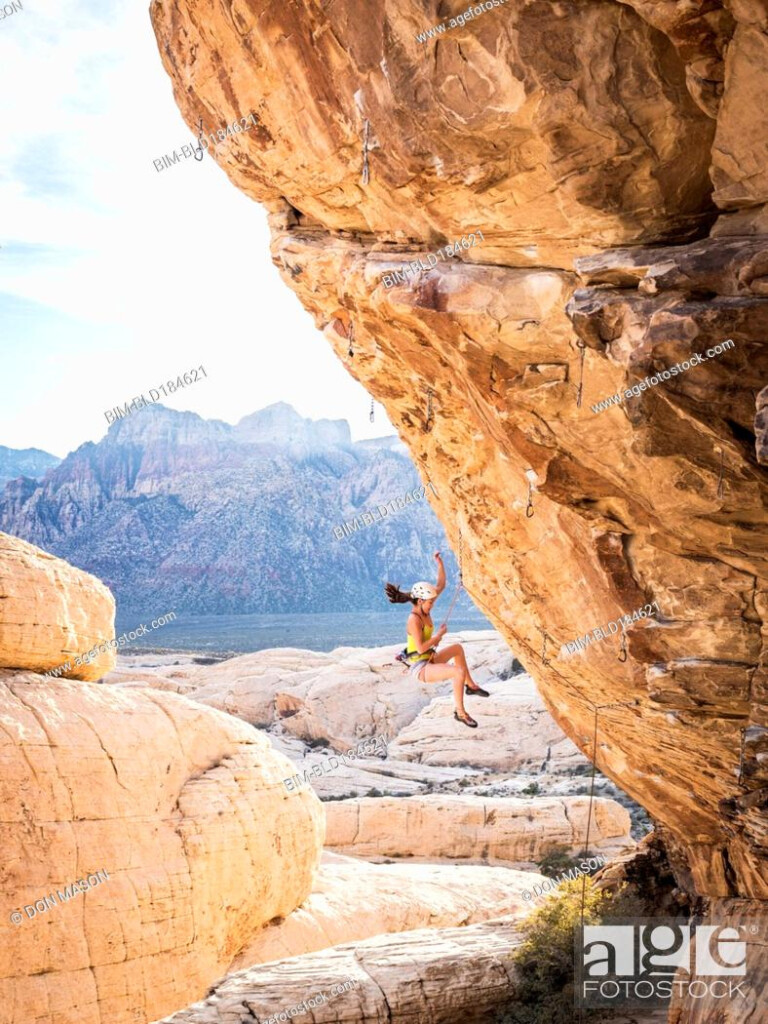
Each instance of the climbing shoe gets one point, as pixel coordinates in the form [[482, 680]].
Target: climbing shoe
[[477, 692], [465, 720]]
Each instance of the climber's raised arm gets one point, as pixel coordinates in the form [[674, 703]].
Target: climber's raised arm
[[440, 585]]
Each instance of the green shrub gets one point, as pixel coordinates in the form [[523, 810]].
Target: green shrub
[[544, 961], [532, 789]]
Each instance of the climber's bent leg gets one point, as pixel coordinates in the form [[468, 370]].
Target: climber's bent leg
[[436, 673], [455, 651]]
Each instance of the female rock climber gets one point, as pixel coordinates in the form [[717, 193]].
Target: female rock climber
[[427, 663]]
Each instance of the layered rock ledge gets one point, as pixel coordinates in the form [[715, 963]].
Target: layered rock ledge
[[441, 975], [493, 831], [352, 900]]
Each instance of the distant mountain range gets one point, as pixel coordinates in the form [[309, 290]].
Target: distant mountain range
[[178, 513], [29, 462]]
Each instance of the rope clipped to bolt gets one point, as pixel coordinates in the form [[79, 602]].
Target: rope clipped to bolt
[[581, 345]]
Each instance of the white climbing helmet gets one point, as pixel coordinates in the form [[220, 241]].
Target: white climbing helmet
[[423, 591]]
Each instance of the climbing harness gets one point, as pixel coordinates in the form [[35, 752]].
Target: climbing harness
[[372, 409], [622, 655], [583, 348], [365, 174], [720, 477], [199, 149], [544, 659], [428, 423]]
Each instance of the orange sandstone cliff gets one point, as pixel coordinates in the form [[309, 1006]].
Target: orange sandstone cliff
[[613, 155]]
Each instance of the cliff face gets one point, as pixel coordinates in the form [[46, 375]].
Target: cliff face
[[560, 130]]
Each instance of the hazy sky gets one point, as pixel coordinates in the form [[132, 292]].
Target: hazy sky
[[114, 277]]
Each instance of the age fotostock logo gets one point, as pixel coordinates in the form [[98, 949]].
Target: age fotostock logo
[[644, 964]]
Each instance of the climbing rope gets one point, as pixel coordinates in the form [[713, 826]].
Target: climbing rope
[[597, 709], [428, 423], [460, 583], [199, 141], [365, 174], [583, 347], [373, 403]]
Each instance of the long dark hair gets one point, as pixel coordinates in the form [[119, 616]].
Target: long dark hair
[[398, 596]]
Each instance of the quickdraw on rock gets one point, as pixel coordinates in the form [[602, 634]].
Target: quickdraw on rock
[[544, 659], [429, 421], [531, 477], [366, 173], [351, 338], [581, 345], [493, 376], [373, 403], [622, 655], [200, 136], [720, 476]]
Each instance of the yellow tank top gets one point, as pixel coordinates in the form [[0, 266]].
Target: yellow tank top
[[426, 634]]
